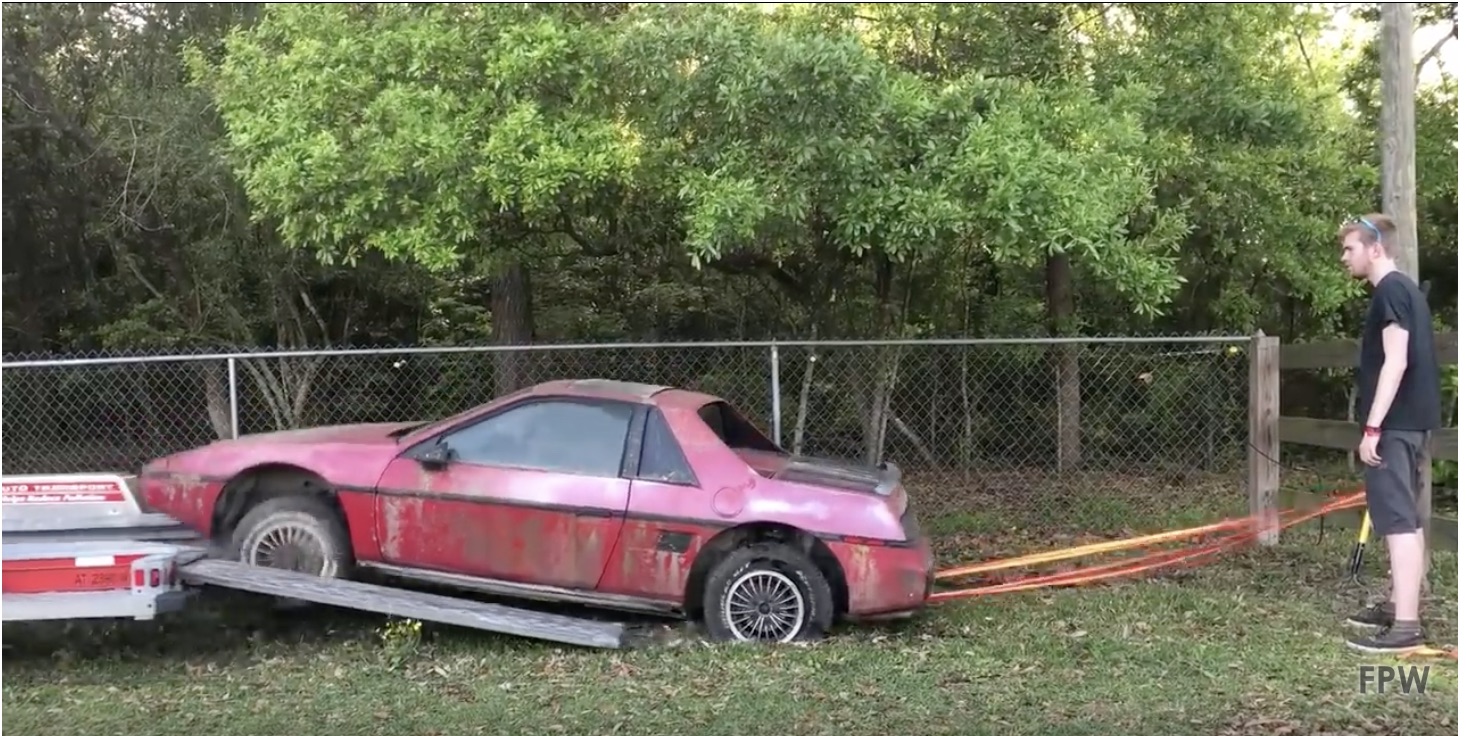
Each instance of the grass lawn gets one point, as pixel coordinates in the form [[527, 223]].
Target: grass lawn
[[1252, 644]]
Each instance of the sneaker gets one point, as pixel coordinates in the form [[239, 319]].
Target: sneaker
[[1376, 616], [1388, 641]]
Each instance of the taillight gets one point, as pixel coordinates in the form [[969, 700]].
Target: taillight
[[155, 577], [137, 578]]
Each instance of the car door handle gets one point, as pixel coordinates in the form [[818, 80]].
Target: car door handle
[[598, 513]]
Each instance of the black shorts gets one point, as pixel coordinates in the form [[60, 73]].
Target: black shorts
[[1390, 487]]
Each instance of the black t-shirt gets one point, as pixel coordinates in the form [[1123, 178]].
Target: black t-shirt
[[1417, 404]]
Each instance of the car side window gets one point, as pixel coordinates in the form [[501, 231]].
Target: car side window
[[586, 438], [661, 455]]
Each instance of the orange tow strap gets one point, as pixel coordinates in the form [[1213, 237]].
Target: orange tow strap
[[1244, 530], [1432, 652], [1091, 549]]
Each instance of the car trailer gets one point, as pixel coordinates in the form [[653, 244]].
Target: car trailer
[[80, 547], [81, 507], [47, 581]]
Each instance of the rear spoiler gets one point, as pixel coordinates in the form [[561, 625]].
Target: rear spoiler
[[890, 478], [882, 479]]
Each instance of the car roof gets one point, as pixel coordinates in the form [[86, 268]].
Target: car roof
[[625, 390]]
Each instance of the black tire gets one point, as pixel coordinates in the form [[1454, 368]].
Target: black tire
[[311, 514], [782, 563]]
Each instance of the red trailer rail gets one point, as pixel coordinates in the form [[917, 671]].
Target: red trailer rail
[[95, 579]]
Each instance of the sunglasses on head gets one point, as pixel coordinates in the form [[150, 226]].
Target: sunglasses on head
[[1377, 234]]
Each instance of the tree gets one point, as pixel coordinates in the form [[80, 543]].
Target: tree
[[454, 136]]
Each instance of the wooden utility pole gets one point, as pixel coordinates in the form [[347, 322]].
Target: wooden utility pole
[[1397, 177], [1397, 127]]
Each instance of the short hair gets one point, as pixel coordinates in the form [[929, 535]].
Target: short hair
[[1371, 229]]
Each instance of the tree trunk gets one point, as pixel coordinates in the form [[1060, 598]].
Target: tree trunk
[[510, 307], [887, 361], [216, 398], [1060, 299]]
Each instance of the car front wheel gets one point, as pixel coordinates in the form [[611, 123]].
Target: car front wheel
[[298, 533], [767, 592]]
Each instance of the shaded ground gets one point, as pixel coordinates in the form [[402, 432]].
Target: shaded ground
[[1250, 645]]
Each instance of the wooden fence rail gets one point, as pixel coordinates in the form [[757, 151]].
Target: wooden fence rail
[[1270, 429]]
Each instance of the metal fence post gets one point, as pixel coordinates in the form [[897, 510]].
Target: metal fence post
[[776, 390], [233, 399]]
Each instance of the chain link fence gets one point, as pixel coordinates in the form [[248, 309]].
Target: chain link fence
[[1035, 436]]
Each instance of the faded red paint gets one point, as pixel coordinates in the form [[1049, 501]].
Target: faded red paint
[[641, 569], [187, 497], [884, 580], [611, 535]]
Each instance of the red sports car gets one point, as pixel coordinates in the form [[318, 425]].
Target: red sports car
[[612, 494]]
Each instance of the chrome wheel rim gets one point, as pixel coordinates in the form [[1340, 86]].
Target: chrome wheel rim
[[764, 605], [287, 546]]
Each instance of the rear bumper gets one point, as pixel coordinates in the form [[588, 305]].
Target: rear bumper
[[887, 582]]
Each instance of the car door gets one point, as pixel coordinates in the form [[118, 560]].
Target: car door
[[534, 493], [667, 520]]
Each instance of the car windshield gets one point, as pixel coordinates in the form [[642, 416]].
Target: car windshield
[[401, 432], [735, 431], [455, 418]]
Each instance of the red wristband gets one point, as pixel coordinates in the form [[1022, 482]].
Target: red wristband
[[1371, 431]]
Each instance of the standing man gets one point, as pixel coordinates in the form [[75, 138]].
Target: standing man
[[1399, 390]]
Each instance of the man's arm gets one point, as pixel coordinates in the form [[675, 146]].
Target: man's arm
[[1397, 344]]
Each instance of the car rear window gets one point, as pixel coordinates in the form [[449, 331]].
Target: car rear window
[[735, 431]]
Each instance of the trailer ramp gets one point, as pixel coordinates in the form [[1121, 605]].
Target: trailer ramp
[[407, 603]]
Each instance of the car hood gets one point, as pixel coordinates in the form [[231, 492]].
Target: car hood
[[369, 433]]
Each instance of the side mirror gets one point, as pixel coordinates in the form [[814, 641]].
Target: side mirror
[[436, 457]]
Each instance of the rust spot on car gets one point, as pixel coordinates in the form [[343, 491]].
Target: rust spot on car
[[669, 573], [540, 553], [656, 573], [589, 554], [641, 558], [184, 497], [427, 480], [402, 526], [863, 575]]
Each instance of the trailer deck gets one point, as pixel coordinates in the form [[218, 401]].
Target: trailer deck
[[79, 547]]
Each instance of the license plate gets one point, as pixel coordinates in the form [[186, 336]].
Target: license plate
[[100, 579]]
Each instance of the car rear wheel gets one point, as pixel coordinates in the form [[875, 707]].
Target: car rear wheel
[[298, 533], [767, 592]]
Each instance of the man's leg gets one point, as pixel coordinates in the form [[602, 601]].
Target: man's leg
[[1383, 613], [1390, 496]]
